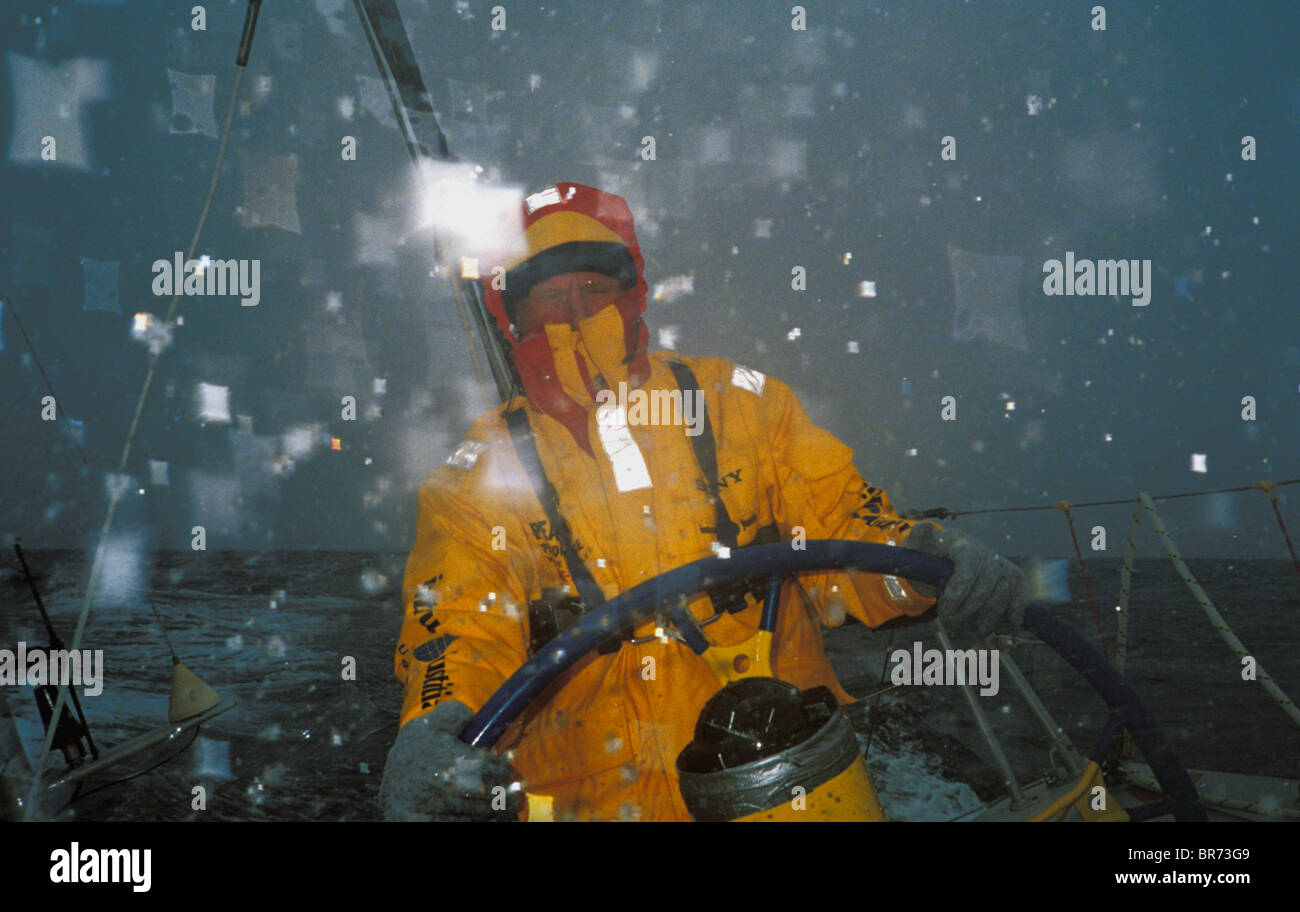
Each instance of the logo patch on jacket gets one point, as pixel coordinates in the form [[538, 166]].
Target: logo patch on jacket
[[548, 541], [435, 687], [748, 379], [431, 650], [465, 455], [724, 481]]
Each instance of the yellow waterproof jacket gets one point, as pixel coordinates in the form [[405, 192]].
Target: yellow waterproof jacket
[[603, 740]]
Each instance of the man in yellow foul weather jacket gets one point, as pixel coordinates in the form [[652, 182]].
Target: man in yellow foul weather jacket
[[491, 576]]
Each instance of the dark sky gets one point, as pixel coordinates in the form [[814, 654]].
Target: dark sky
[[775, 148]]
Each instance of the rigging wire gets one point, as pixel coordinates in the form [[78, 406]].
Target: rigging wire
[[163, 629], [40, 367], [1087, 581], [875, 697]]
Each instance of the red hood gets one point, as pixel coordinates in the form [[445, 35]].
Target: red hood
[[532, 358]]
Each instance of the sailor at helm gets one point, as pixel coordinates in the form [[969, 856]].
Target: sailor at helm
[[568, 496]]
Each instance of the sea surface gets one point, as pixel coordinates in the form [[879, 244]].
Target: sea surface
[[273, 631]]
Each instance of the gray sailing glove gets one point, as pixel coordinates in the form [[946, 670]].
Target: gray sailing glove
[[431, 775], [985, 593]]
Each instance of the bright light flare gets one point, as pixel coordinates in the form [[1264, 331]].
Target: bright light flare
[[470, 217]]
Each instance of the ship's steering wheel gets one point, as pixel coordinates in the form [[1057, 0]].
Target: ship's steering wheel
[[667, 594]]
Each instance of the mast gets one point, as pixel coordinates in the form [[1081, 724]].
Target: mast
[[425, 142]]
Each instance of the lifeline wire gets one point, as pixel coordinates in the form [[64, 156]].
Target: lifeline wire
[[942, 513], [149, 769], [1265, 486], [116, 490]]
